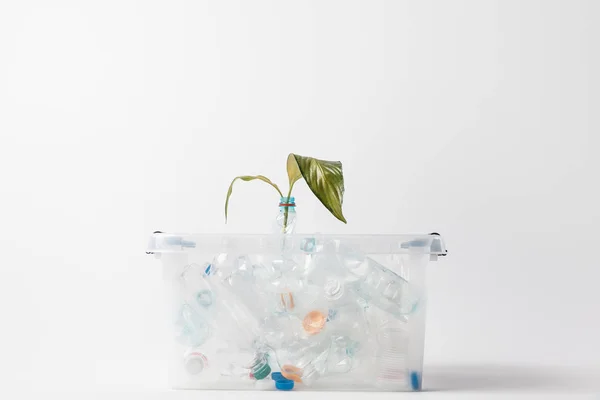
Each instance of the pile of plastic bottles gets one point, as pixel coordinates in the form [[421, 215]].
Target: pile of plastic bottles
[[293, 319]]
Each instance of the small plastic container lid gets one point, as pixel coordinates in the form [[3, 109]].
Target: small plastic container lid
[[284, 384]]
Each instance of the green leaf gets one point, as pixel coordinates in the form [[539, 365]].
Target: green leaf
[[293, 171], [324, 178], [248, 178]]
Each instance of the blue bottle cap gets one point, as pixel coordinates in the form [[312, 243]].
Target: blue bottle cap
[[284, 384], [415, 381], [276, 376]]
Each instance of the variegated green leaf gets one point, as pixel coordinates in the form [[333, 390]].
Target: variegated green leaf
[[324, 178], [248, 178]]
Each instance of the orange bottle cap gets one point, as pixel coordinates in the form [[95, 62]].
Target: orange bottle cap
[[292, 373], [314, 322]]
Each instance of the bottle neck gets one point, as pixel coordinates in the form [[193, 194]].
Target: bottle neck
[[287, 203]]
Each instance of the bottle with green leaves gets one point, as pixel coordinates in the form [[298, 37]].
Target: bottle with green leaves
[[324, 178], [285, 221]]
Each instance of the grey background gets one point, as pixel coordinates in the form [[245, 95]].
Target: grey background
[[476, 119]]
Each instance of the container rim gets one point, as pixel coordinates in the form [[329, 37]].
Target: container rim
[[302, 243]]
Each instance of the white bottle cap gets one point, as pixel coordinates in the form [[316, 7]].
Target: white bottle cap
[[195, 362], [333, 289]]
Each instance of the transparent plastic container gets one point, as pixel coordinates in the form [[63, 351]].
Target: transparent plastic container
[[330, 312]]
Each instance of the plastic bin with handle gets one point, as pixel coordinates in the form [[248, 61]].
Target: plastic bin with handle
[[308, 312]]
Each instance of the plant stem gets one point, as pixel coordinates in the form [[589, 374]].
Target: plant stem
[[285, 213]]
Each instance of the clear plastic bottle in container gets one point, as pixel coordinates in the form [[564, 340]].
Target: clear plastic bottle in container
[[309, 360], [246, 363], [191, 328], [236, 291], [288, 276], [324, 261], [343, 354], [279, 283], [385, 289], [304, 361], [347, 313], [240, 309], [197, 292], [311, 307], [281, 329], [347, 325]]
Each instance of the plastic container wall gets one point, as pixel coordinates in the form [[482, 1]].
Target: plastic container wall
[[331, 312]]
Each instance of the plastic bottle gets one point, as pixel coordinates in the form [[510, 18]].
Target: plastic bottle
[[333, 326], [191, 329], [348, 327], [246, 363], [237, 295], [340, 296], [289, 271], [342, 354], [197, 292], [309, 360], [383, 288], [240, 307], [311, 307], [285, 221], [305, 361], [281, 329]]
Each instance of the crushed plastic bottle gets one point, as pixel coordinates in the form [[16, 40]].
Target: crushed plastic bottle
[[304, 361], [342, 355], [281, 329], [312, 309], [241, 307], [308, 361], [349, 322], [191, 329], [246, 363], [288, 276], [385, 289], [198, 294], [237, 293]]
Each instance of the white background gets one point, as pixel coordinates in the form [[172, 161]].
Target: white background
[[476, 119]]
